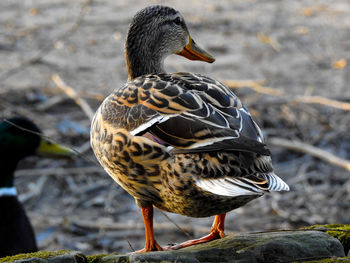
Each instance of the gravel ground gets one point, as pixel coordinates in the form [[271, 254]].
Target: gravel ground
[[295, 47]]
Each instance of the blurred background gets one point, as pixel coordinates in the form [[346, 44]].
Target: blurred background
[[287, 60]]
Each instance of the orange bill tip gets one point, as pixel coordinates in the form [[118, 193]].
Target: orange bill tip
[[193, 52]]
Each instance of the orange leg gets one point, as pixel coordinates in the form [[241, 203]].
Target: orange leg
[[151, 243], [217, 231]]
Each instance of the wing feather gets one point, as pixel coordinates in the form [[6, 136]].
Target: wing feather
[[183, 105], [242, 186], [226, 187], [191, 113]]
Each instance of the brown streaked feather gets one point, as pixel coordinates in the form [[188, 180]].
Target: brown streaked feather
[[216, 144], [132, 161], [202, 114], [181, 142]]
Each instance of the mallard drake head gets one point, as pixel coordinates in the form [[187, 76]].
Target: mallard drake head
[[19, 138], [155, 33]]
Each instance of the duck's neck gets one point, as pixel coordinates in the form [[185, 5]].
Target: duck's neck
[[7, 173], [142, 59]]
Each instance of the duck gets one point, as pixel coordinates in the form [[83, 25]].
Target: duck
[[19, 138], [180, 142]]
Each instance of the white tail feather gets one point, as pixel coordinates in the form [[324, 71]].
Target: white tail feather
[[276, 183], [235, 187], [227, 187]]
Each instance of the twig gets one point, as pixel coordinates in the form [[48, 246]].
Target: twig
[[49, 47], [51, 102], [312, 150], [131, 247], [111, 226], [258, 87], [269, 40], [114, 226], [323, 101], [176, 225], [125, 226], [72, 94], [82, 149], [92, 95], [60, 171], [119, 226]]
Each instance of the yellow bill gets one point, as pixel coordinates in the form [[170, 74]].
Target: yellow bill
[[53, 149]]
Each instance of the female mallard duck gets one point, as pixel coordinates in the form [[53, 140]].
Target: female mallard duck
[[181, 142], [18, 141]]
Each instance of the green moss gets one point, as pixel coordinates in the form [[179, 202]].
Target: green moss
[[326, 260], [339, 231], [39, 254], [95, 258], [113, 258]]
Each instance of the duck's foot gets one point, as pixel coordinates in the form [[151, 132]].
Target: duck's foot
[[155, 247], [150, 247], [216, 232], [212, 236]]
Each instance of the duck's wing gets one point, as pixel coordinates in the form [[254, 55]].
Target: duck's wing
[[189, 112], [195, 114]]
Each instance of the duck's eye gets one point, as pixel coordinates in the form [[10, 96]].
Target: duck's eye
[[177, 21]]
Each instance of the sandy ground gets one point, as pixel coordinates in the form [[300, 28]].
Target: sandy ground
[[291, 45]]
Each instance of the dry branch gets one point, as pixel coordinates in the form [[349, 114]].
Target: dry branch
[[50, 103], [82, 149], [117, 226], [312, 150], [270, 41], [92, 95], [257, 86], [123, 226], [72, 94], [186, 233], [323, 101], [60, 171]]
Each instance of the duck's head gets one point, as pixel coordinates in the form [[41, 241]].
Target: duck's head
[[155, 33], [19, 138]]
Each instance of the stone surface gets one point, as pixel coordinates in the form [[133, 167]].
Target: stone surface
[[339, 231], [328, 260], [283, 246], [62, 256], [280, 246]]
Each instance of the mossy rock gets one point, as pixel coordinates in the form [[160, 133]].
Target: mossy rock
[[95, 258], [339, 231], [60, 256], [320, 243], [281, 246], [328, 260]]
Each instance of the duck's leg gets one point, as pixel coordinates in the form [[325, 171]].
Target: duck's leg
[[151, 243], [217, 231]]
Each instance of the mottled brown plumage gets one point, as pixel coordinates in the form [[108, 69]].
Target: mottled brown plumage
[[181, 142]]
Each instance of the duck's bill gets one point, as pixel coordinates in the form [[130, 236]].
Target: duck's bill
[[193, 52], [48, 148]]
